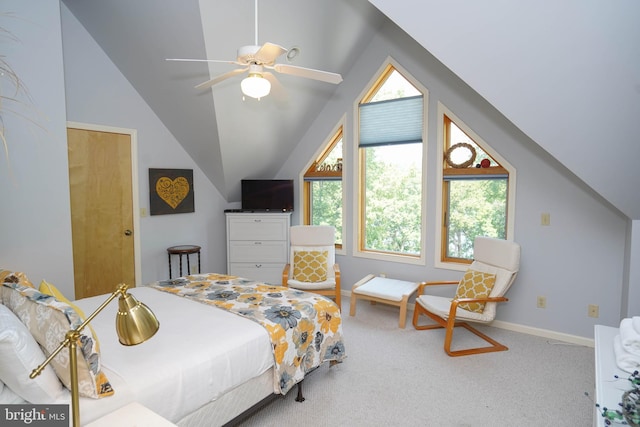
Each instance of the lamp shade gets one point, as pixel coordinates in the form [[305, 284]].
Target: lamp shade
[[135, 322], [255, 86]]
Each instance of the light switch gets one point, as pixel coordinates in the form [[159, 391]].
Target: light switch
[[545, 219]]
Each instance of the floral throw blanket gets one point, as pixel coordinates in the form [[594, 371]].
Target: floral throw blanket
[[305, 329]]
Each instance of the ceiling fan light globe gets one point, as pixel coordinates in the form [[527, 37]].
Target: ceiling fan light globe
[[255, 86]]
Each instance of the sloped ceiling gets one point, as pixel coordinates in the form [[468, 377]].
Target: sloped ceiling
[[228, 137], [566, 73], [568, 76]]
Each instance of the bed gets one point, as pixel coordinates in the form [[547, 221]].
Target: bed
[[214, 357]]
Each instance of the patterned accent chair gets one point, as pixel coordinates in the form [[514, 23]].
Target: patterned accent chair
[[495, 266], [312, 265]]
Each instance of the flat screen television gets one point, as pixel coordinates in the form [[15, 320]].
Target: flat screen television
[[267, 194]]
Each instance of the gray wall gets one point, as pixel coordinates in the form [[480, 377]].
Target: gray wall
[[97, 93], [577, 261], [575, 93], [35, 220], [35, 228]]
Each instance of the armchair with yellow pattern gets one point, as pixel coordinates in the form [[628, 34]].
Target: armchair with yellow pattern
[[312, 265]]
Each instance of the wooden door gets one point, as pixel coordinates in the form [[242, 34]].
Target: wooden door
[[101, 211]]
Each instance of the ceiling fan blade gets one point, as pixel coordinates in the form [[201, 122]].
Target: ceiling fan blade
[[221, 77], [308, 73], [203, 60], [268, 53]]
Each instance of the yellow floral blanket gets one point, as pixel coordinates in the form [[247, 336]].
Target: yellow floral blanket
[[305, 328]]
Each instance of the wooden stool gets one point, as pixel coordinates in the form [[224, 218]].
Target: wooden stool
[[385, 291], [184, 250]]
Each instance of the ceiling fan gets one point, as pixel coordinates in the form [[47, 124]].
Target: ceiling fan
[[255, 60]]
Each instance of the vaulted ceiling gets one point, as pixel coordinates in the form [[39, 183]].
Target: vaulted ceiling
[[228, 137], [569, 78]]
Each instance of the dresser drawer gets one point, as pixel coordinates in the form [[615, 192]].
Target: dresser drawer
[[258, 228], [268, 272], [258, 251]]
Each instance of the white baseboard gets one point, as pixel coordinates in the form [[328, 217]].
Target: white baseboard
[[545, 333]]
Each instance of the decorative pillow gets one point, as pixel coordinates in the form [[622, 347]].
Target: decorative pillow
[[3, 274], [17, 277], [49, 289], [21, 354], [475, 284], [310, 266], [49, 320]]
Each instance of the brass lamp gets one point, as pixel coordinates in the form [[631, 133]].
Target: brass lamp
[[135, 323]]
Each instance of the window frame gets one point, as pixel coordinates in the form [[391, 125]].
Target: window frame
[[325, 148], [359, 162], [441, 261]]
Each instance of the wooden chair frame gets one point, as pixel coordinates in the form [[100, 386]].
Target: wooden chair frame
[[450, 323], [333, 293]]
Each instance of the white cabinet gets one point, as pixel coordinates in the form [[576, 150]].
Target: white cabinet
[[611, 381], [258, 245]]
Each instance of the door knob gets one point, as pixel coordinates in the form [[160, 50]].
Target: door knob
[[128, 232]]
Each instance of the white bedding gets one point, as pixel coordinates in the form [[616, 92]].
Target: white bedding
[[198, 354]]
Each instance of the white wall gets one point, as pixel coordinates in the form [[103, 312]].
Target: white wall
[[98, 93], [35, 227], [577, 261]]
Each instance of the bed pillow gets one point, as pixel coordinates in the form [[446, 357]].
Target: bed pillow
[[49, 289], [20, 354], [310, 266], [49, 320], [475, 284], [8, 396]]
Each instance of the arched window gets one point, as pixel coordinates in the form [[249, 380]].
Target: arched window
[[476, 188], [390, 200], [323, 187]]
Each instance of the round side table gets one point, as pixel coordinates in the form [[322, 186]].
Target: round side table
[[183, 250]]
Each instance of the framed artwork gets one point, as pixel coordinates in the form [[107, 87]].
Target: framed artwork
[[171, 191]]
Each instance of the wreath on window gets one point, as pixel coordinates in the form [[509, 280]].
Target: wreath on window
[[458, 146]]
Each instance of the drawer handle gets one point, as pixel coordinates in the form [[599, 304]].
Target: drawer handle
[[257, 220], [257, 243], [258, 265]]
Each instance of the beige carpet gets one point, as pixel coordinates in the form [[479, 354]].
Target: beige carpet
[[402, 377]]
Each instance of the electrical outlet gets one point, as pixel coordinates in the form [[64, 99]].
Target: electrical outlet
[[594, 310], [542, 302]]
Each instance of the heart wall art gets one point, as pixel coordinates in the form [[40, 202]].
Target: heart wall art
[[171, 191]]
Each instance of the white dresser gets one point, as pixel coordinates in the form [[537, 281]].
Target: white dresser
[[258, 245]]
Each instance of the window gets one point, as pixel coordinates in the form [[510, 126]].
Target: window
[[475, 189], [390, 213], [323, 188]]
